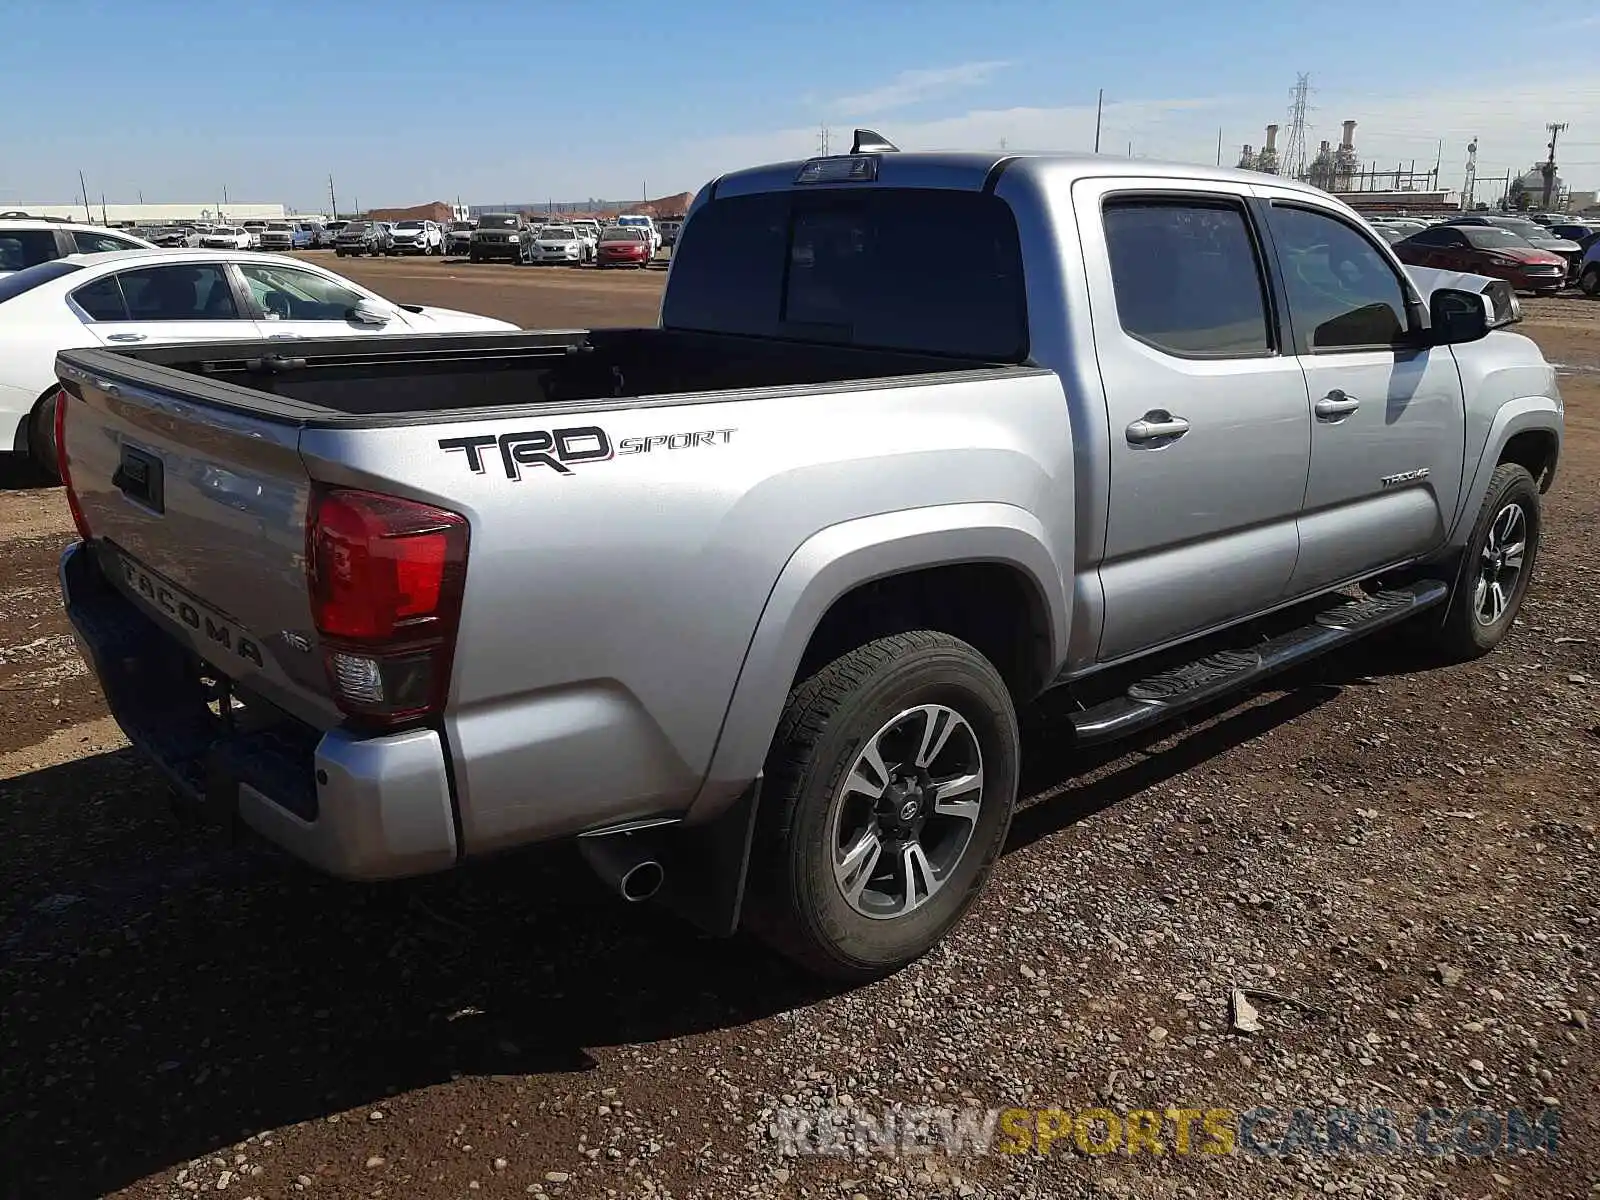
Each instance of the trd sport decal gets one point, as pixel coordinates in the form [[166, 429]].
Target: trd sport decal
[[560, 449]]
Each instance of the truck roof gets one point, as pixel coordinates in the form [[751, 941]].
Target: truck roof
[[968, 171]]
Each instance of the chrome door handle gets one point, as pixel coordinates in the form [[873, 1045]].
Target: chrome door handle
[[126, 337], [1335, 405], [1157, 425], [284, 337]]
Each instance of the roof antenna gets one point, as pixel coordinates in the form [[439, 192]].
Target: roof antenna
[[870, 141]]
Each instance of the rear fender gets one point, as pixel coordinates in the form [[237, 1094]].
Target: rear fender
[[833, 562]]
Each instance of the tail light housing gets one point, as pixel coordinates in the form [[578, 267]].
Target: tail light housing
[[63, 469], [386, 577]]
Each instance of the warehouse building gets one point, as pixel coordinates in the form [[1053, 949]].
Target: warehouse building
[[154, 214]]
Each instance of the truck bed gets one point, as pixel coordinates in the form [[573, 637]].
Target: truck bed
[[320, 381]]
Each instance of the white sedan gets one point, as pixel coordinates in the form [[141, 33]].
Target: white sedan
[[226, 237], [558, 244], [142, 297]]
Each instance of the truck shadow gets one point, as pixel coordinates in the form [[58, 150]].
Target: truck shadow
[[164, 997]]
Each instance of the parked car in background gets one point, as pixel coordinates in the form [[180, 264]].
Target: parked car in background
[[458, 237], [1589, 271], [500, 236], [558, 244], [276, 235], [1485, 250], [26, 242], [1534, 234], [255, 230], [364, 237], [1584, 234], [175, 237], [588, 229], [227, 237], [624, 246], [418, 237], [645, 222], [669, 232], [1390, 233], [152, 296], [330, 234]]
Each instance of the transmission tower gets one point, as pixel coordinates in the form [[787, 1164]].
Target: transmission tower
[[1294, 151], [1470, 183], [822, 140]]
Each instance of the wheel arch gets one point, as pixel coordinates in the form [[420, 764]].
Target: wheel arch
[[1527, 426], [844, 579]]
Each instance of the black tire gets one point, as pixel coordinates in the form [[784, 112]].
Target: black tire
[[1463, 635], [1589, 281], [796, 905], [42, 438]]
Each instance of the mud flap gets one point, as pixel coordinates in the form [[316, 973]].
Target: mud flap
[[708, 866]]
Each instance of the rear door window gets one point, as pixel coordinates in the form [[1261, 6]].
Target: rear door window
[[932, 271], [198, 292], [23, 248], [1187, 277]]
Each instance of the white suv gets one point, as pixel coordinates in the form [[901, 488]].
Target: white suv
[[26, 242]]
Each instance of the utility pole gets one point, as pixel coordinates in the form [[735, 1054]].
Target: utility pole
[[1549, 169], [1219, 145], [1130, 149], [333, 201], [104, 220], [141, 196], [1470, 184], [1099, 105], [822, 139], [84, 188]]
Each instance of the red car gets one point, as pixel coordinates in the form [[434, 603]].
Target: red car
[[624, 247], [1485, 250]]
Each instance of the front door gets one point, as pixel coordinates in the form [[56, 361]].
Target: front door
[[294, 302], [1209, 425], [1387, 420]]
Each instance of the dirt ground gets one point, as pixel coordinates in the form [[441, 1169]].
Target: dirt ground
[[1398, 865]]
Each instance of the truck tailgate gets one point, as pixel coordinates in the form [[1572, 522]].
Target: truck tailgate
[[198, 514]]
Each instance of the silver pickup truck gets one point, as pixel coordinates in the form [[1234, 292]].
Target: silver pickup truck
[[748, 602]]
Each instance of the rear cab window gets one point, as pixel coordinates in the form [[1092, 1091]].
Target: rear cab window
[[923, 270]]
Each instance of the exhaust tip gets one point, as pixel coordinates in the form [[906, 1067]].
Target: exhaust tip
[[642, 880]]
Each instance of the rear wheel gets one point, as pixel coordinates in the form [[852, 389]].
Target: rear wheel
[[42, 437], [889, 791], [1589, 281]]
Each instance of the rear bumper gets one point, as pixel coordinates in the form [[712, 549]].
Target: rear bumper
[[358, 808]]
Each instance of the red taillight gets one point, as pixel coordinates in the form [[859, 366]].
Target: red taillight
[[62, 468], [386, 578]]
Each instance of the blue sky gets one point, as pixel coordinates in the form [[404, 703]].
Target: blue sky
[[406, 101]]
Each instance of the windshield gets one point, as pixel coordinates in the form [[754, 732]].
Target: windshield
[[497, 221], [225, 231], [1525, 228], [621, 233], [281, 227], [636, 222], [355, 227], [1493, 239], [12, 286], [408, 224], [557, 233], [856, 268]]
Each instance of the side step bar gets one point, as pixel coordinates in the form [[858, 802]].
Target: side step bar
[[1165, 694]]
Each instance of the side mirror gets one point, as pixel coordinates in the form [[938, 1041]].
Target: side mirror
[[367, 312], [1458, 316]]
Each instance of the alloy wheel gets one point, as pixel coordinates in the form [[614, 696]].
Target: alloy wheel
[[1500, 564], [906, 812]]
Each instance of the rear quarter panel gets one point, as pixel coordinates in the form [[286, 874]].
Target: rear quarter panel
[[609, 611]]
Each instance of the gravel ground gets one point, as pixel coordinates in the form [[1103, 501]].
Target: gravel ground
[[1394, 869]]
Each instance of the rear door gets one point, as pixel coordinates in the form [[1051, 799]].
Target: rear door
[[1209, 426], [1387, 417], [180, 302]]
